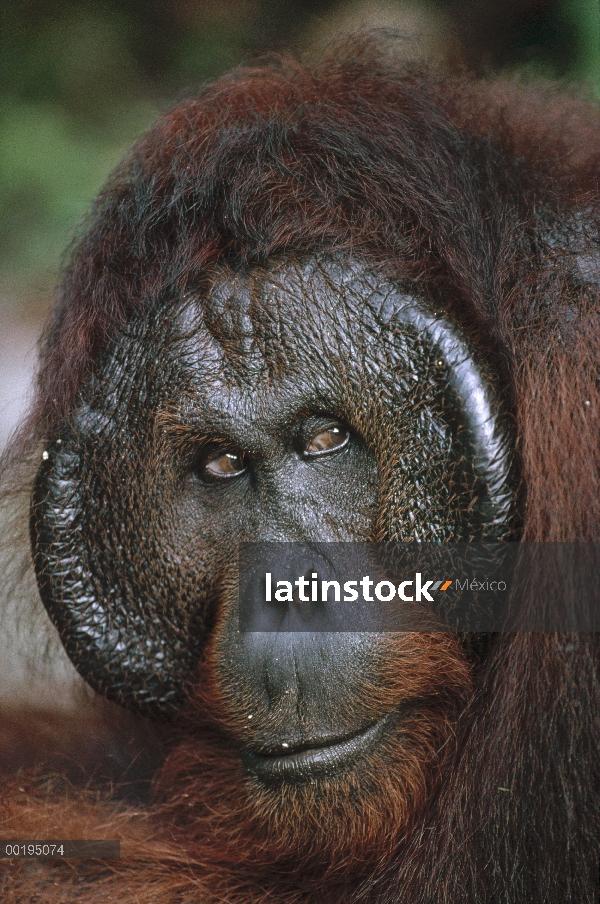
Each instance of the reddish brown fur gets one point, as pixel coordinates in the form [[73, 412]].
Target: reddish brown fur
[[485, 195]]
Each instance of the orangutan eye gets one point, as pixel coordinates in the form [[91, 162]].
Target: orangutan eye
[[224, 466], [329, 440]]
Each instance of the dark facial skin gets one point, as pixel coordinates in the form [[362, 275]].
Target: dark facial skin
[[273, 454], [313, 402]]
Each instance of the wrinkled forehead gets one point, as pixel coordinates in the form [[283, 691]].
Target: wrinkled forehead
[[257, 326]]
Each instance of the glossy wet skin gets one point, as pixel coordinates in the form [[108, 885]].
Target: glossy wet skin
[[310, 402]]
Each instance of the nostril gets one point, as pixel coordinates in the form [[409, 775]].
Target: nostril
[[304, 595]]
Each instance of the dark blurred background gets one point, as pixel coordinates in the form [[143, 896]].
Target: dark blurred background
[[80, 79]]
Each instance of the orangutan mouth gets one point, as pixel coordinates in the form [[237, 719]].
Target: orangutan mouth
[[298, 760]]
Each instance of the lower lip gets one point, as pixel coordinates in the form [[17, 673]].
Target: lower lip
[[314, 761]]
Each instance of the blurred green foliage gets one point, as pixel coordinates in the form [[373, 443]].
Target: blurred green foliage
[[79, 79], [584, 16]]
